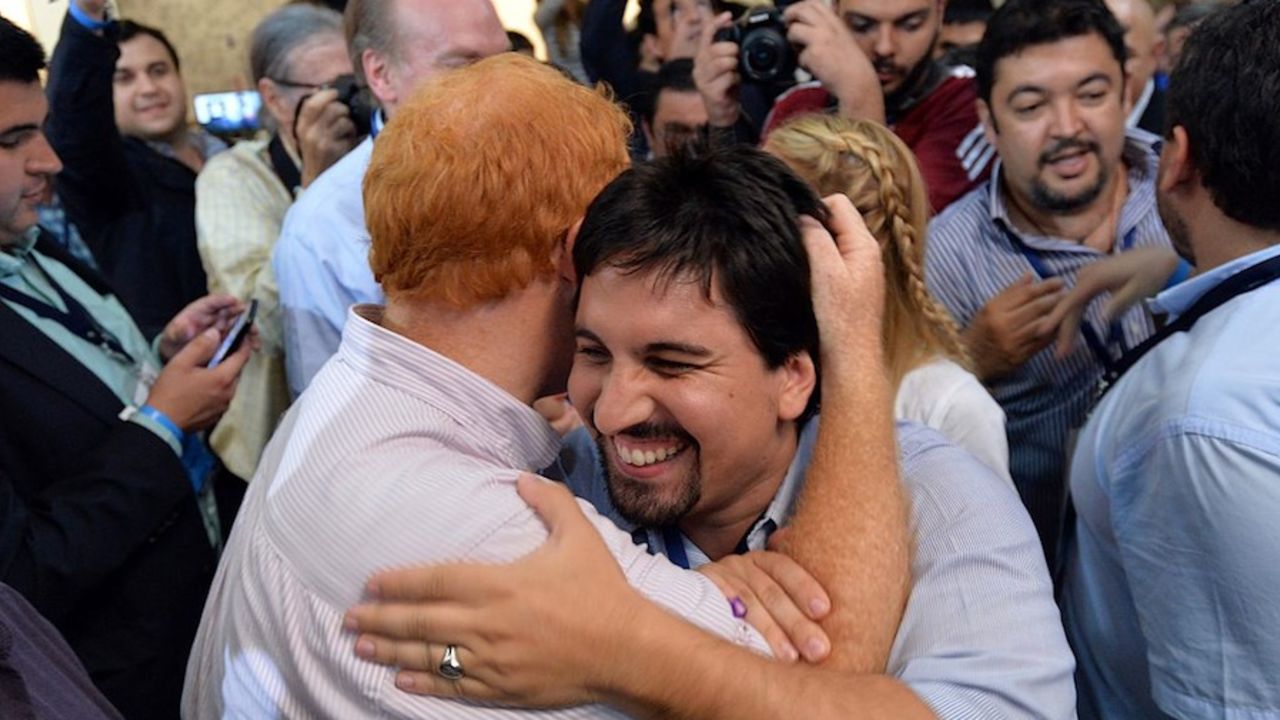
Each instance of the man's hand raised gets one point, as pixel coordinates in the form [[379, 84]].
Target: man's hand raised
[[847, 272], [1009, 329], [325, 133], [715, 73], [834, 58]]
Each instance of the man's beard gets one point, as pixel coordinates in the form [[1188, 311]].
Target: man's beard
[[1055, 203], [906, 92], [1179, 234], [646, 504]]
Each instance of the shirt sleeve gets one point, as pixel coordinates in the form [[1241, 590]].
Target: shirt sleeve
[[236, 226], [981, 636], [1195, 519], [312, 308]]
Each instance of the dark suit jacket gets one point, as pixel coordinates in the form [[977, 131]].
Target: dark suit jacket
[[99, 527], [134, 207]]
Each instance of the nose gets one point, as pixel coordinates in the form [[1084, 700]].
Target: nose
[[886, 44], [144, 83], [623, 402], [43, 160], [1067, 120]]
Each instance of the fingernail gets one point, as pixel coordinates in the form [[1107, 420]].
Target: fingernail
[[349, 622], [211, 333], [364, 648], [819, 607], [373, 590], [815, 649], [404, 682], [789, 653]]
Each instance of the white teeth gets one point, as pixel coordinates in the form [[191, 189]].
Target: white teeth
[[640, 458]]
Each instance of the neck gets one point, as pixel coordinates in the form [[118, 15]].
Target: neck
[[1217, 239], [717, 532], [1094, 225], [482, 338]]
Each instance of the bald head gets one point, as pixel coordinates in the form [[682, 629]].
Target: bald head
[[1141, 41], [398, 44]]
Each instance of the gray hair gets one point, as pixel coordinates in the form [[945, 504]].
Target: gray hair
[[285, 30]]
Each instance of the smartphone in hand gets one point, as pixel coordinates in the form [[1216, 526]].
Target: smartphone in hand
[[236, 335]]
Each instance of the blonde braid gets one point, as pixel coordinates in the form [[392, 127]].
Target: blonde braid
[[905, 236]]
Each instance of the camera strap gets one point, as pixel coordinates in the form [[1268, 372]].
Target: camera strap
[[283, 165]]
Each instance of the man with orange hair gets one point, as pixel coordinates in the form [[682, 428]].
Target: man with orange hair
[[407, 447]]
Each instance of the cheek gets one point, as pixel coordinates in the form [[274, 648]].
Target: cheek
[[584, 389]]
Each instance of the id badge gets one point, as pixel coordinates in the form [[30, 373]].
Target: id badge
[[146, 374]]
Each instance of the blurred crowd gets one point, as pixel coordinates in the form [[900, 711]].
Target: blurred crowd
[[825, 358]]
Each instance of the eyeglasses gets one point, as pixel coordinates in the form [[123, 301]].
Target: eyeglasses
[[301, 85]]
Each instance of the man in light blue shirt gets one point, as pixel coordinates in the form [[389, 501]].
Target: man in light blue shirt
[[1171, 578], [321, 261]]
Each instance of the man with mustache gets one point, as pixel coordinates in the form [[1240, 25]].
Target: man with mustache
[[1071, 187], [870, 59]]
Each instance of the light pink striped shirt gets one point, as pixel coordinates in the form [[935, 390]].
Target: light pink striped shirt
[[395, 456]]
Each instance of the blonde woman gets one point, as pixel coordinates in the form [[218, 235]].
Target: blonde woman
[[928, 362]]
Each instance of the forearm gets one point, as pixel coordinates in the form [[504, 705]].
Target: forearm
[[849, 529], [81, 125], [670, 669]]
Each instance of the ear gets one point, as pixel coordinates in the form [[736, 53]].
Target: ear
[[1177, 171], [378, 72], [797, 379], [564, 254], [988, 122]]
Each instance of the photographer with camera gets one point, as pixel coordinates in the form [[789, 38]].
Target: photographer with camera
[[870, 59], [299, 62]]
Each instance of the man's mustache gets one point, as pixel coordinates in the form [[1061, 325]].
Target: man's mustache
[[1064, 145]]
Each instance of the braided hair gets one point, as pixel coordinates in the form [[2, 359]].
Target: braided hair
[[869, 164]]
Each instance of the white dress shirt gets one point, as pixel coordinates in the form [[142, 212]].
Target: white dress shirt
[[395, 456]]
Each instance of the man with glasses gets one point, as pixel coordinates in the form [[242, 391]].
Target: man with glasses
[[295, 55]]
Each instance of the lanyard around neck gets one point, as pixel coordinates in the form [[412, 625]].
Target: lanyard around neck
[[76, 319], [1245, 281]]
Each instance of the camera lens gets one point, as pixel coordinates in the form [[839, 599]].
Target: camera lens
[[762, 56]]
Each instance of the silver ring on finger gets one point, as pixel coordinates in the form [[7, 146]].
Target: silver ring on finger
[[450, 668]]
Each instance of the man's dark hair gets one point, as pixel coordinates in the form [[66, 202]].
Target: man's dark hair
[[1020, 24], [676, 75], [129, 30], [727, 215], [962, 12], [21, 57], [1225, 92]]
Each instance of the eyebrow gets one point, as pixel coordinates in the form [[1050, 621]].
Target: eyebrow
[[657, 347], [1039, 90], [853, 15], [19, 129]]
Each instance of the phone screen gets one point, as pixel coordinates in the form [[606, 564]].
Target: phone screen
[[235, 337], [228, 112]]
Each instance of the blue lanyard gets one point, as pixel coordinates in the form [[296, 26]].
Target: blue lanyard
[[674, 541], [1092, 338]]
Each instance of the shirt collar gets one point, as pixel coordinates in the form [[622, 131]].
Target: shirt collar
[[775, 516], [15, 254], [1179, 298], [1141, 154], [495, 423], [203, 141]]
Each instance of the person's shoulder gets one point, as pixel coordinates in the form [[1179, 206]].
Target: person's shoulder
[[962, 221], [330, 206], [243, 161], [959, 87], [940, 475]]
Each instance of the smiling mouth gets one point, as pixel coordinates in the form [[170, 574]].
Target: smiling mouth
[[650, 454]]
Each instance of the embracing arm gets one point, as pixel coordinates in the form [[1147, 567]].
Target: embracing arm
[[850, 528]]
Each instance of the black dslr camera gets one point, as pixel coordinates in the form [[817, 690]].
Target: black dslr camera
[[766, 56], [357, 102]]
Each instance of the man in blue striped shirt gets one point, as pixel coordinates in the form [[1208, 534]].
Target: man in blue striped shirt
[[1071, 187]]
